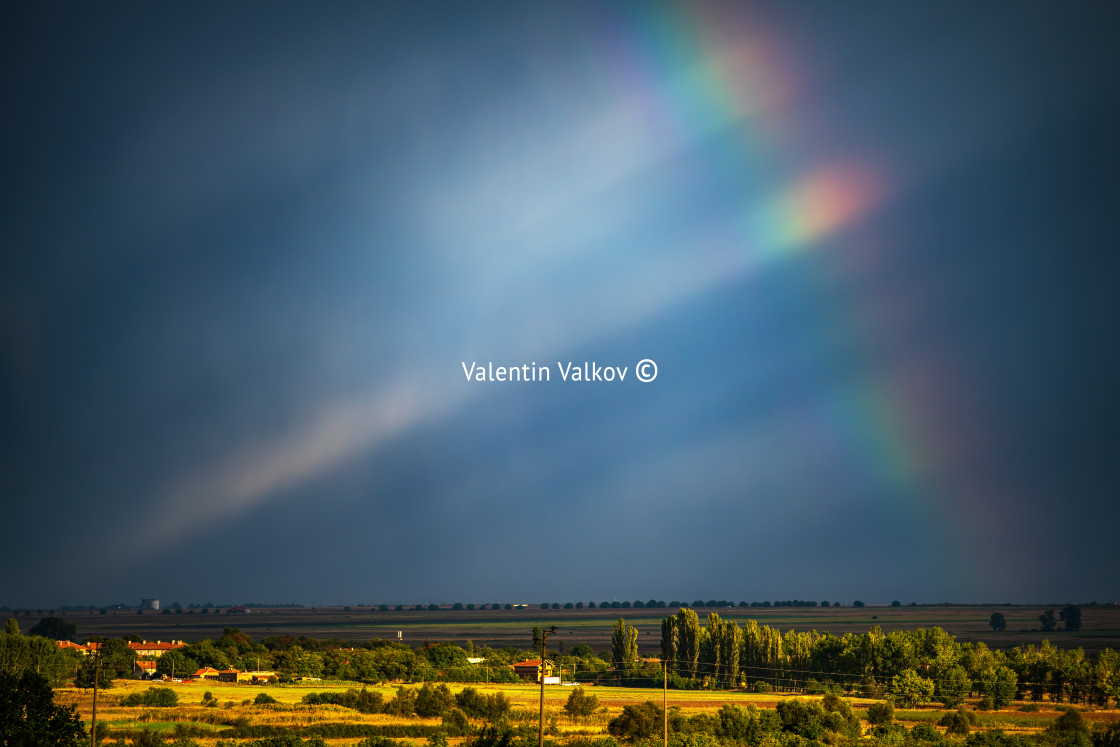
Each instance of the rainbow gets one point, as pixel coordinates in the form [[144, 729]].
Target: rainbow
[[721, 84]]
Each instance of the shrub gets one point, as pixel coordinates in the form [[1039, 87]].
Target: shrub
[[956, 723], [363, 701], [456, 723], [580, 704], [637, 721], [147, 738], [264, 699], [472, 702], [153, 697], [377, 742], [985, 703], [925, 733], [433, 700], [997, 739], [1070, 721], [889, 734], [762, 687], [833, 703], [880, 713]]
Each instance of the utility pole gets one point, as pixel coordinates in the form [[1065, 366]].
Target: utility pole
[[544, 639], [96, 677], [665, 700]]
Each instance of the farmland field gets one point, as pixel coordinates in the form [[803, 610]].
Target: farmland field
[[234, 705], [499, 628]]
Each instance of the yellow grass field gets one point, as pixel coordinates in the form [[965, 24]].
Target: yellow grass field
[[235, 702]]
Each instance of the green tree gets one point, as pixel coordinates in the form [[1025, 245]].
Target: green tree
[[12, 628], [953, 686], [637, 721], [55, 628], [911, 689], [175, 664], [730, 644], [1046, 621], [403, 703], [153, 697], [1071, 616], [29, 716], [999, 684], [880, 713], [688, 642], [116, 662], [433, 700], [1070, 721], [624, 645], [957, 723], [581, 704], [997, 622], [669, 639]]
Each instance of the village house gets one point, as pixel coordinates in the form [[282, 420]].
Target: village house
[[530, 669], [149, 649], [145, 670]]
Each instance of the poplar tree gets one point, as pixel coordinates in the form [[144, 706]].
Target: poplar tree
[[710, 651], [669, 640], [688, 642], [730, 643], [624, 645]]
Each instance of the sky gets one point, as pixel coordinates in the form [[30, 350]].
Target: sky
[[251, 253]]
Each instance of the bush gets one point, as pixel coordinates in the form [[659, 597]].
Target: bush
[[456, 723], [985, 704], [472, 702], [148, 738], [264, 699], [1070, 721], [377, 742], [956, 723], [432, 701], [153, 697], [403, 703], [925, 733], [637, 721], [997, 739], [880, 713], [363, 701], [762, 687], [833, 703], [814, 687], [580, 704], [889, 734]]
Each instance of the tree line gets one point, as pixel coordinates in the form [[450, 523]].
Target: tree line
[[923, 664]]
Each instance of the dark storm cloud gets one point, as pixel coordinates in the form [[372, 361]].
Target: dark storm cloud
[[247, 250]]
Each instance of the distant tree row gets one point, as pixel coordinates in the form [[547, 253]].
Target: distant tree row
[[914, 665]]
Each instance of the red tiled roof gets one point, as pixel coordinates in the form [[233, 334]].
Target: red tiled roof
[[205, 670], [146, 664], [528, 663], [157, 646]]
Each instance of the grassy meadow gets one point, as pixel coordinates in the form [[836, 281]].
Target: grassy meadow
[[235, 707]]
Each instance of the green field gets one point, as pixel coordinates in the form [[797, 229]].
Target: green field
[[500, 628]]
